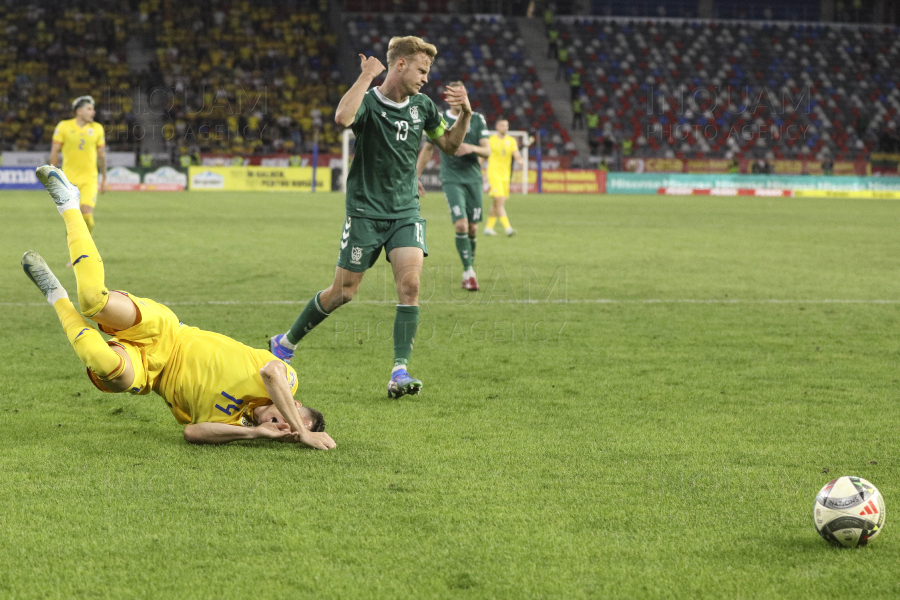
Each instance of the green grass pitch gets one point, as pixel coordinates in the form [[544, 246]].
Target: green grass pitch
[[642, 402]]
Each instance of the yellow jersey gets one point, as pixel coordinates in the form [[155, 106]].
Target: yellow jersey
[[502, 151], [211, 378], [203, 376], [79, 149]]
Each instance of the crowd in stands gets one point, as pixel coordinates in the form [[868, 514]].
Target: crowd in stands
[[229, 77], [245, 78], [494, 7], [54, 54], [694, 89], [485, 53], [248, 78]]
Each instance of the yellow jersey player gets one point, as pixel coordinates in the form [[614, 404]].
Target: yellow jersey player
[[220, 389], [83, 145], [504, 149]]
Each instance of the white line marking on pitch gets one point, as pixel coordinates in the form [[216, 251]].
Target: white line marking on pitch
[[482, 302]]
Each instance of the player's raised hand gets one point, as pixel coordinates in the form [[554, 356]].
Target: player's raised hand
[[370, 66], [319, 441], [458, 97]]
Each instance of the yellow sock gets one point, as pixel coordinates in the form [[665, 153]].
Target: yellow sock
[[491, 222], [88, 266], [89, 221], [505, 222], [88, 343]]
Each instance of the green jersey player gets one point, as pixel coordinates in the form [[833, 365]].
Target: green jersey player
[[382, 193], [462, 182]]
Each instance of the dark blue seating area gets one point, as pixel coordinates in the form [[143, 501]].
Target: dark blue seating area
[[486, 53], [693, 89]]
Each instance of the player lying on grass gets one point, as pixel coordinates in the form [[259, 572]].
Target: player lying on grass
[[219, 388]]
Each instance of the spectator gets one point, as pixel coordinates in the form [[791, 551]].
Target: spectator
[[562, 65], [552, 42], [593, 140], [577, 114], [761, 167], [574, 84]]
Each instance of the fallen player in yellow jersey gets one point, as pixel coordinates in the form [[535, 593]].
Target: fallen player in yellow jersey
[[220, 389]]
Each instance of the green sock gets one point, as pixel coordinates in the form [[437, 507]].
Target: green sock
[[312, 315], [464, 247], [405, 324], [472, 244]]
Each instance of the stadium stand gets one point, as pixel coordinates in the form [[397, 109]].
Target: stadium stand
[[795, 10], [52, 56], [775, 90], [486, 53], [249, 78]]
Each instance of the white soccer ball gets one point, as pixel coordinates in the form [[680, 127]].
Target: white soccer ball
[[849, 512]]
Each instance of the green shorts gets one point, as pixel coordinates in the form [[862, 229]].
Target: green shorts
[[362, 240], [464, 200]]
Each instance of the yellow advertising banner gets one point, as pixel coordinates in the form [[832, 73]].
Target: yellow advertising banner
[[574, 181], [879, 194], [258, 179]]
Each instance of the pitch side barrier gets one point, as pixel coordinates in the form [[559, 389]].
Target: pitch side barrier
[[683, 184], [239, 178]]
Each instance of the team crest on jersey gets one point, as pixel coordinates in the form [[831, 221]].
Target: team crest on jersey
[[246, 421], [292, 379], [90, 131], [414, 113], [355, 255]]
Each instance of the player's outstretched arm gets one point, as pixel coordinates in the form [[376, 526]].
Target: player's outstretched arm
[[518, 155], [101, 167], [425, 155], [222, 433], [450, 142], [274, 375], [482, 150], [350, 103], [54, 154]]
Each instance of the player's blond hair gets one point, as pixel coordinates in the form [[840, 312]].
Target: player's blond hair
[[408, 47]]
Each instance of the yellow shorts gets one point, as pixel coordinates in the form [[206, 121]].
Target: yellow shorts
[[88, 192], [149, 344], [499, 187]]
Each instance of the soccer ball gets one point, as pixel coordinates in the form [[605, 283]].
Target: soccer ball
[[849, 512]]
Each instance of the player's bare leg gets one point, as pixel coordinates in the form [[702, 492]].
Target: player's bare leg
[[342, 289], [112, 367], [407, 265], [340, 292]]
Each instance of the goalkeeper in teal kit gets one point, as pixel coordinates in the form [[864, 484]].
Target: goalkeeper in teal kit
[[382, 193]]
